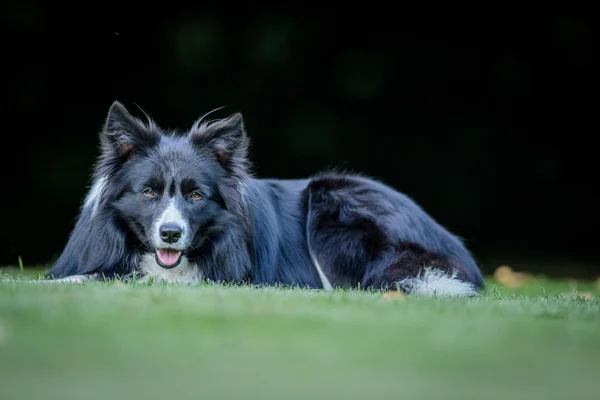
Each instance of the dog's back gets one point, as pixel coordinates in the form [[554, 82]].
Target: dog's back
[[355, 227]]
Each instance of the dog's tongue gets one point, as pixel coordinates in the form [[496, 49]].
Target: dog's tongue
[[168, 257]]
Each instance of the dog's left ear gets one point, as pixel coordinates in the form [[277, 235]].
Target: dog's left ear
[[226, 139]]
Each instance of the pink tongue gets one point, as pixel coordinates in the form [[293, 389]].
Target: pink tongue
[[168, 257]]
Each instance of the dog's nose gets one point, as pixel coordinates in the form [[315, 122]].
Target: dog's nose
[[170, 233]]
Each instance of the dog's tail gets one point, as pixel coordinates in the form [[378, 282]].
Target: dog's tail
[[416, 270], [436, 282]]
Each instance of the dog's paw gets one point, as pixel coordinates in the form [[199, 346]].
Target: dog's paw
[[75, 279]]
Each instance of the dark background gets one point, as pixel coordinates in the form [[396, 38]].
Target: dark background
[[481, 113]]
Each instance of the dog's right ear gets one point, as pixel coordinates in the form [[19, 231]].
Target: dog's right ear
[[123, 133]]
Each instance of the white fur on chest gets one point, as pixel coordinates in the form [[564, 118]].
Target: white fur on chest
[[185, 272]]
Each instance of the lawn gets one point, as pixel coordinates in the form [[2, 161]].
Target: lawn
[[139, 341]]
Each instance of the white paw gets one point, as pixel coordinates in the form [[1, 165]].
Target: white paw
[[75, 279]]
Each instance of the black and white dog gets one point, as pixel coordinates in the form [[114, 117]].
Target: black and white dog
[[185, 208]]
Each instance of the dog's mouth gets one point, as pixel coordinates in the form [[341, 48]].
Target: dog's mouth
[[168, 258]]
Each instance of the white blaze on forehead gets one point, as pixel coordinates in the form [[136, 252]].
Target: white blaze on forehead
[[171, 215], [93, 197]]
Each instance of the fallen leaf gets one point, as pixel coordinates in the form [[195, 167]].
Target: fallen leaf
[[119, 283], [579, 295], [509, 278], [391, 295], [585, 295], [503, 272]]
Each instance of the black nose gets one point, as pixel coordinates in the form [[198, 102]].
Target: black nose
[[170, 233]]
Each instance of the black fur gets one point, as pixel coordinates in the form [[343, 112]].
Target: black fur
[[248, 230]]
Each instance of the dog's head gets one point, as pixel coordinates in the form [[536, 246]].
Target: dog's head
[[169, 189]]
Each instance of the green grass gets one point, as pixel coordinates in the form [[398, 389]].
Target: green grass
[[109, 341]]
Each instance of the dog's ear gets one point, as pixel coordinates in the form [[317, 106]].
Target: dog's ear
[[226, 139], [123, 133]]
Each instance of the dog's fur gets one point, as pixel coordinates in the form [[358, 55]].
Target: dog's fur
[[331, 230]]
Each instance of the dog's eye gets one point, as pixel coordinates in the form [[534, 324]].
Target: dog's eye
[[195, 195], [149, 192]]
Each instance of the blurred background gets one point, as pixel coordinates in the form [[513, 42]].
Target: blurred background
[[481, 113]]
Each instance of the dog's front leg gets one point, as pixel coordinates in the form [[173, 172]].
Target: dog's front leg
[[77, 279]]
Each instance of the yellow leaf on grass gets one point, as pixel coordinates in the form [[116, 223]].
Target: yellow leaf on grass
[[585, 295], [505, 276], [393, 295]]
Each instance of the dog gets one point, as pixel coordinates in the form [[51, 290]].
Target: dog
[[185, 207]]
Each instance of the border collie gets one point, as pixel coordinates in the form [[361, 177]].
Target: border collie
[[185, 208]]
